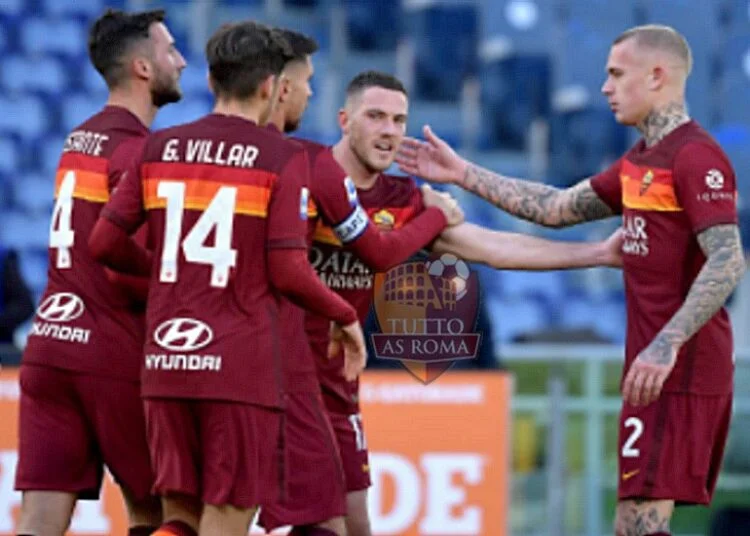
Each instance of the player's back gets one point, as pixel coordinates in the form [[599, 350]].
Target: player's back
[[81, 312], [213, 319]]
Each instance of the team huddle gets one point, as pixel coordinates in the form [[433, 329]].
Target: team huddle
[[202, 359]]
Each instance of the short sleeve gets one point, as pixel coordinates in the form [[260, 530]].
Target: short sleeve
[[608, 186], [335, 194], [125, 206], [287, 210], [705, 186]]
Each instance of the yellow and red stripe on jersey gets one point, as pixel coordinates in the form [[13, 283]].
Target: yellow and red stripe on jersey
[[250, 200], [648, 188], [91, 181], [202, 181]]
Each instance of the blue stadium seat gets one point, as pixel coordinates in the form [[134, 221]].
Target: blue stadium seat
[[444, 118], [606, 318], [44, 74], [21, 232], [516, 90], [372, 25], [194, 78], [513, 318], [34, 194], [76, 108], [546, 286], [699, 22], [49, 149], [9, 156], [185, 111], [33, 264], [442, 63], [25, 116], [11, 7], [583, 143], [518, 26], [734, 89], [62, 36], [92, 81], [738, 15], [86, 8]]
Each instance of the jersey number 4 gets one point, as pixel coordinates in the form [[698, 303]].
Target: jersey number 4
[[61, 234], [218, 217]]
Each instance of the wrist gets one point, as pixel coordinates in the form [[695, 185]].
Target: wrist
[[459, 178]]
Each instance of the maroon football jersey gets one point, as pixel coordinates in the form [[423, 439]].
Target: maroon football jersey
[[84, 323], [667, 195], [217, 194], [389, 204]]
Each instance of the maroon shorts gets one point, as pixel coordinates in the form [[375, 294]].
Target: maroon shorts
[[72, 424], [350, 436], [316, 489], [225, 453], [672, 448]]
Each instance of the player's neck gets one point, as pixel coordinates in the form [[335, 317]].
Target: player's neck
[[251, 110], [140, 105], [363, 178], [662, 120]]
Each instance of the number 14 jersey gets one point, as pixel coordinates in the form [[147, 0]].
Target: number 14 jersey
[[217, 194]]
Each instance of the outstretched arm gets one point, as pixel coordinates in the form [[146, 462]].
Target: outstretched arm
[[546, 205], [514, 251]]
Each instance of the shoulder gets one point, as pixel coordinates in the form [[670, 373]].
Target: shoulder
[[400, 189]]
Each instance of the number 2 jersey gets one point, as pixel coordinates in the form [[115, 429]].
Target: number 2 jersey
[[217, 194], [667, 195], [84, 323]]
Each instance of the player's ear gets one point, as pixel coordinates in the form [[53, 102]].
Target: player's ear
[[267, 87], [141, 67], [285, 89], [656, 78], [344, 120]]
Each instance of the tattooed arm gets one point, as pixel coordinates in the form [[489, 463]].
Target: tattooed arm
[[434, 160], [538, 203], [724, 267]]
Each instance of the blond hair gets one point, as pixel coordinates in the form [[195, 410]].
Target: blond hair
[[660, 37]]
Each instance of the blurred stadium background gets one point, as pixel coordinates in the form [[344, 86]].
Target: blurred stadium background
[[514, 84]]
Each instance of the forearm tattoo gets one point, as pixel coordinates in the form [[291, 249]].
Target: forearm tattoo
[[724, 267], [535, 202]]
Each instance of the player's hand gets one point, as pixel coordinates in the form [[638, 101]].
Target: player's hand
[[612, 249], [445, 202], [649, 371], [432, 159], [352, 340]]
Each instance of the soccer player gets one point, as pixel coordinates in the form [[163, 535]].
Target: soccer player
[[316, 499], [226, 204], [374, 124], [80, 405], [682, 253]]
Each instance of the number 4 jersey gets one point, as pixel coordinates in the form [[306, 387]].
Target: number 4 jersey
[[217, 194], [84, 322]]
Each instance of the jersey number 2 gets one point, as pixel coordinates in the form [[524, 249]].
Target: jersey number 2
[[627, 448], [218, 217]]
